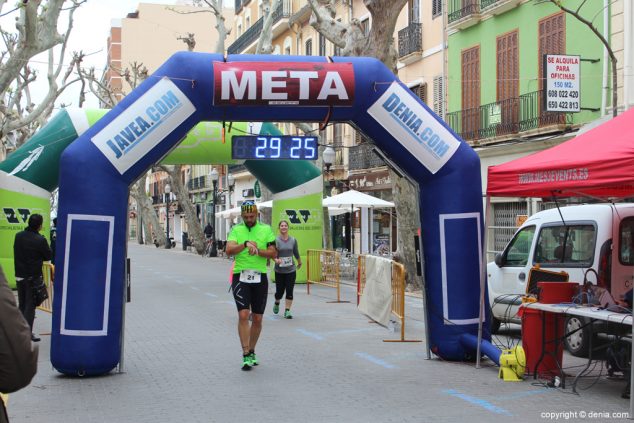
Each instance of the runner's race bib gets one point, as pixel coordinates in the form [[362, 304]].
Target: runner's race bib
[[286, 261], [250, 276]]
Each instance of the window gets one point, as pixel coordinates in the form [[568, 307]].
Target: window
[[508, 81], [308, 48], [520, 247], [420, 91], [436, 8], [287, 45], [572, 245], [439, 96], [552, 40], [413, 11], [337, 134], [471, 93], [365, 26], [322, 45], [626, 242], [507, 66]]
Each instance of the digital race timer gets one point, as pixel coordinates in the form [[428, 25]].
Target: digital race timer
[[257, 147]]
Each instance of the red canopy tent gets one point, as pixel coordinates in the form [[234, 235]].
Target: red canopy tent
[[597, 163]]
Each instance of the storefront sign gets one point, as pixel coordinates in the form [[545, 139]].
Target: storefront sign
[[371, 181]]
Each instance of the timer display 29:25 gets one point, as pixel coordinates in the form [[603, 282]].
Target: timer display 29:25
[[260, 147]]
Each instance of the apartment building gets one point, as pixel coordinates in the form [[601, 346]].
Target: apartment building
[[148, 36], [496, 85], [419, 41]]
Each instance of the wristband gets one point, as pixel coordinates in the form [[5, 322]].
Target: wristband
[[245, 244]]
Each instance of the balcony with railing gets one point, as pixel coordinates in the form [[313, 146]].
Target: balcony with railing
[[362, 156], [496, 7], [196, 183], [253, 33], [462, 14], [506, 119], [410, 43]]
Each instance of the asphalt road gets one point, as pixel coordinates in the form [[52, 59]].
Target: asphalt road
[[329, 364]]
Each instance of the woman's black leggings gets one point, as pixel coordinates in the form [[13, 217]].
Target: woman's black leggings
[[284, 282]]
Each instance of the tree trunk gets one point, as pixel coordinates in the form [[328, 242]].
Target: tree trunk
[[194, 228], [147, 213], [407, 212]]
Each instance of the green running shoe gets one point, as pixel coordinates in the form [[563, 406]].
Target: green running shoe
[[288, 315], [254, 359], [276, 308], [246, 362]]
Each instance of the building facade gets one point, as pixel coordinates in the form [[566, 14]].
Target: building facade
[[497, 87], [147, 37]]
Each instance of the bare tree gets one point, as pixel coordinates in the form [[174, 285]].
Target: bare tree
[[214, 7], [350, 37], [589, 23], [35, 32], [379, 43], [190, 41], [147, 214]]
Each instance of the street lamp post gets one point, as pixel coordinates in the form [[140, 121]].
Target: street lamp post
[[168, 190], [328, 157], [231, 180], [213, 175]]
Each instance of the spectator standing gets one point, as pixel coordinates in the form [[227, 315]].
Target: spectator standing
[[30, 251], [53, 240], [18, 355], [285, 269]]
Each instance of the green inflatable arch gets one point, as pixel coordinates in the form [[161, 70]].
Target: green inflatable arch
[[29, 174]]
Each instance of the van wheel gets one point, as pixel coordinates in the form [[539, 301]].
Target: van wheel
[[578, 343], [494, 327]]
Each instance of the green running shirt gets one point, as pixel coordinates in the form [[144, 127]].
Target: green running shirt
[[262, 235]]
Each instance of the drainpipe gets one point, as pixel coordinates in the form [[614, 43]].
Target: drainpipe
[[606, 58], [445, 80], [627, 53]]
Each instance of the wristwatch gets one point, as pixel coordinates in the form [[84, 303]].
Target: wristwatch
[[245, 244]]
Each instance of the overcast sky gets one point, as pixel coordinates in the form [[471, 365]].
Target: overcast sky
[[91, 27]]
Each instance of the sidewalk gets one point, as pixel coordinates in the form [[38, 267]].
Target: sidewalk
[[328, 364]]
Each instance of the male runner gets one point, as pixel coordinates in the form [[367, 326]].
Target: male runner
[[252, 243]]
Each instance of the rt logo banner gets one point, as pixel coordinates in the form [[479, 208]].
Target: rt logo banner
[[295, 217], [13, 216]]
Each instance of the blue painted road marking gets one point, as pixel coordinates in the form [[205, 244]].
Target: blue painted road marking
[[479, 402], [310, 334], [376, 360]]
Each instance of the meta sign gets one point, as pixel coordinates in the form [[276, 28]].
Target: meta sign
[[283, 84], [562, 83]]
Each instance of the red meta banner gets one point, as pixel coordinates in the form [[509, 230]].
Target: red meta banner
[[283, 84]]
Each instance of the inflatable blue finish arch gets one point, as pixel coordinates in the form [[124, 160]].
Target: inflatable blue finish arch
[[98, 167]]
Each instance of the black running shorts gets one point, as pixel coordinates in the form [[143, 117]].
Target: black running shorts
[[250, 295]]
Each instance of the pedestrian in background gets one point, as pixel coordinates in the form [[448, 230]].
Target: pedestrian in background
[[53, 240], [285, 269], [30, 251], [252, 242], [18, 355]]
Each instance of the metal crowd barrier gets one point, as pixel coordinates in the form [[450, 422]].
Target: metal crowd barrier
[[398, 293], [323, 269], [48, 271]]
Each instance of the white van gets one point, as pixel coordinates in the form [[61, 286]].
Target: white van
[[591, 242]]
